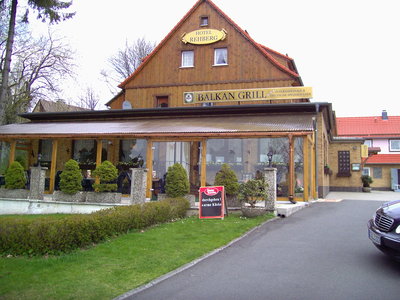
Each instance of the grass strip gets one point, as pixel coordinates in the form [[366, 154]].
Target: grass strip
[[121, 264]]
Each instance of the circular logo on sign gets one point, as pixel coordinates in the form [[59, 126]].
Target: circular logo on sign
[[188, 98]]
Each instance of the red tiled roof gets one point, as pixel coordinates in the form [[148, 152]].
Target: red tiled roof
[[368, 126], [268, 53], [390, 159]]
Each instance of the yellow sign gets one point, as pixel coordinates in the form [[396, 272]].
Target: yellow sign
[[282, 93], [204, 36], [364, 151]]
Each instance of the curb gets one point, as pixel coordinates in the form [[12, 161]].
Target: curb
[[139, 289]]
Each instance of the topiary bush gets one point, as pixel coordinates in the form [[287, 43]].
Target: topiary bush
[[227, 178], [71, 178], [40, 236], [177, 182], [15, 176], [107, 174]]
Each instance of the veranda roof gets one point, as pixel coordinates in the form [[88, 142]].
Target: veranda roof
[[173, 126]]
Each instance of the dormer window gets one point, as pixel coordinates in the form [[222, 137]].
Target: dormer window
[[204, 21]]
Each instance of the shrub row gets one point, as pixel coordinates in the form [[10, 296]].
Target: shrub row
[[21, 236]]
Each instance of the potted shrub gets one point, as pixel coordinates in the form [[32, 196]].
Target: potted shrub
[[15, 181], [366, 181], [105, 190], [227, 177], [70, 183], [177, 182], [250, 192]]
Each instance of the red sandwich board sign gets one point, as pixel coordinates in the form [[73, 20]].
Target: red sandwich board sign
[[211, 202]]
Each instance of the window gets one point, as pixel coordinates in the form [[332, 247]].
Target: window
[[45, 149], [203, 21], [344, 163], [394, 145], [220, 56], [368, 143], [187, 59], [377, 173], [366, 171], [162, 101], [84, 152]]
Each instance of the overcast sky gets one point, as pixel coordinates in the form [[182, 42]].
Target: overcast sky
[[346, 50]]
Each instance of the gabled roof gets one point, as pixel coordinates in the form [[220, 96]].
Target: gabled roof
[[51, 106], [270, 54], [389, 159], [369, 126]]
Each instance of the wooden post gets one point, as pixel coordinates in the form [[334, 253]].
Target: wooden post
[[291, 168], [98, 157], [13, 146], [306, 169], [53, 167], [203, 171], [149, 165]]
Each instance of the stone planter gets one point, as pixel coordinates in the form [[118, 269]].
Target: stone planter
[[251, 212], [63, 197], [366, 189], [95, 197], [14, 194]]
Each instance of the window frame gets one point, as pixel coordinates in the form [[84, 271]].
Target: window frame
[[183, 52], [392, 149], [204, 18], [216, 64], [369, 143]]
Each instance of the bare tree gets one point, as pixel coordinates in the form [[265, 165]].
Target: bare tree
[[39, 67], [122, 64], [52, 10], [89, 99]]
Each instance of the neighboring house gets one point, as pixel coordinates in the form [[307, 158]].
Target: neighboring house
[[58, 106], [382, 136]]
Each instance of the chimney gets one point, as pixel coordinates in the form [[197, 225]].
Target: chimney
[[384, 115]]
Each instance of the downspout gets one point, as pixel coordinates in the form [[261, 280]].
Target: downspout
[[316, 148]]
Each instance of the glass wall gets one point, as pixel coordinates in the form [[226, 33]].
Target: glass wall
[[247, 156], [299, 167], [165, 154], [132, 153]]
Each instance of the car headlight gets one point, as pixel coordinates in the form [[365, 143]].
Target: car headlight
[[398, 229]]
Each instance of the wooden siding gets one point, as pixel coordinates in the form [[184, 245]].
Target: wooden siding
[[247, 66]]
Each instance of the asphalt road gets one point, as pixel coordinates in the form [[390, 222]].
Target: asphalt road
[[321, 252]]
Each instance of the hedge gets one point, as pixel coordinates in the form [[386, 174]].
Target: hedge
[[40, 236]]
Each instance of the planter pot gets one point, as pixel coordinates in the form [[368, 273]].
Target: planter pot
[[366, 189], [95, 197], [63, 197], [251, 212], [14, 194]]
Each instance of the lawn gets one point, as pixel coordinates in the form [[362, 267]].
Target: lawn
[[112, 268]]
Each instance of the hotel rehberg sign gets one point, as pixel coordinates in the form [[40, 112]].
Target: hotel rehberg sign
[[282, 93], [204, 36]]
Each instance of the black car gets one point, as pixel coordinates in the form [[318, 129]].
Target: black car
[[384, 228]]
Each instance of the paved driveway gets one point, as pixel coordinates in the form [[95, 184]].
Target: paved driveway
[[321, 252]]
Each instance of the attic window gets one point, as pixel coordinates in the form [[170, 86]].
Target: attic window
[[204, 21]]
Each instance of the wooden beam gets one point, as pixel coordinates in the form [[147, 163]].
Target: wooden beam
[[13, 146], [98, 157], [306, 169], [53, 167], [291, 168], [149, 166], [203, 168]]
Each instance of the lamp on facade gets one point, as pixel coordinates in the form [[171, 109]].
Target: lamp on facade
[[269, 155]]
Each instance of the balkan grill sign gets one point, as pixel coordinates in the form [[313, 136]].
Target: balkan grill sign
[[280, 93], [211, 202]]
